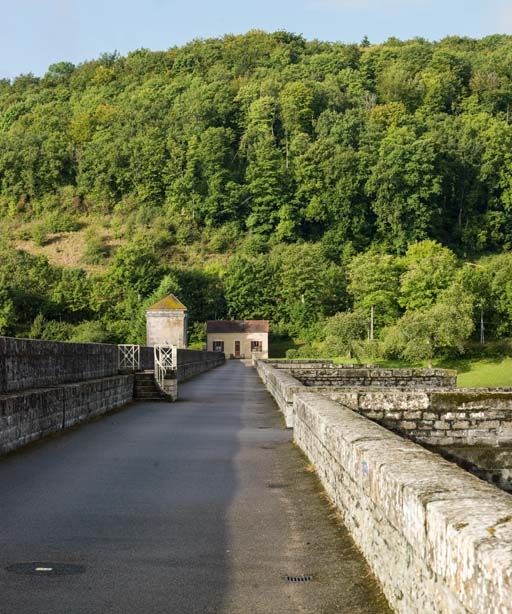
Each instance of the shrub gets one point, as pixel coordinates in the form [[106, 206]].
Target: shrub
[[224, 238], [95, 249], [441, 330], [60, 222], [39, 234], [90, 332]]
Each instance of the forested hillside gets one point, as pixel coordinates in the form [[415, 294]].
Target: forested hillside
[[264, 176]]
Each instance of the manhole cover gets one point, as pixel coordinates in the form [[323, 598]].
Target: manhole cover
[[45, 568], [298, 579]]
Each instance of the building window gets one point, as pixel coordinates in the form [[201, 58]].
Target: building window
[[256, 346], [218, 346]]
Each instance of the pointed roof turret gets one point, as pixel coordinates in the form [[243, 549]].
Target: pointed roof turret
[[170, 303]]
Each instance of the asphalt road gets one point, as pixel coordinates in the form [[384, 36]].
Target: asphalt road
[[203, 505]]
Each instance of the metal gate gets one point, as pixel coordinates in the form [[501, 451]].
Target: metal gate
[[129, 357], [166, 361]]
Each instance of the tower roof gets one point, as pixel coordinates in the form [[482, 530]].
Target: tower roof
[[170, 303]]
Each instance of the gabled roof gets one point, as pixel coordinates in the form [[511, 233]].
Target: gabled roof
[[237, 326], [169, 302]]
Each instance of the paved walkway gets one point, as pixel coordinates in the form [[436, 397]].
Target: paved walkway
[[199, 506]]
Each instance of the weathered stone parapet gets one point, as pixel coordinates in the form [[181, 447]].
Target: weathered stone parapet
[[434, 417], [49, 386], [194, 362], [29, 363], [302, 363], [325, 373], [363, 377], [282, 386], [29, 415], [438, 539]]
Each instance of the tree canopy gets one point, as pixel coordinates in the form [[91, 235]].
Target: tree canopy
[[264, 175]]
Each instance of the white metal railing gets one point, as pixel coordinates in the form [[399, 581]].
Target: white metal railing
[[129, 357], [166, 362]]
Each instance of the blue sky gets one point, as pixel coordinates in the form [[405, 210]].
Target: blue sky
[[37, 33]]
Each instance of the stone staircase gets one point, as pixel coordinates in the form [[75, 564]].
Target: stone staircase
[[146, 388]]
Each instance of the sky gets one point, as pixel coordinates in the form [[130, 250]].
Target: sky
[[37, 33]]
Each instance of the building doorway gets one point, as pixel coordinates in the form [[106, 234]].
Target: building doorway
[[237, 349]]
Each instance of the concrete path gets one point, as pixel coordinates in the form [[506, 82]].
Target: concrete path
[[199, 506]]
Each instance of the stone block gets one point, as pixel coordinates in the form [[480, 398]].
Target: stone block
[[407, 425]]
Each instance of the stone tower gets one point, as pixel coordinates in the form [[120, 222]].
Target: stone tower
[[166, 323]]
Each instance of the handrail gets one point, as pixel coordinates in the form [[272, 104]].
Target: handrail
[[166, 362]]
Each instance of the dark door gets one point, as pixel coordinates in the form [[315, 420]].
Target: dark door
[[237, 349]]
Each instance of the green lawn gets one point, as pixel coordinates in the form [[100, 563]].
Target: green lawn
[[484, 373], [473, 373]]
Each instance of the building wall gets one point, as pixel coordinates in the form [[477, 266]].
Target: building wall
[[245, 343], [166, 328]]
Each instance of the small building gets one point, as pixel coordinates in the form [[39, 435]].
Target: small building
[[166, 323], [238, 338]]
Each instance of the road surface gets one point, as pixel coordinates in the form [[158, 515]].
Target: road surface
[[200, 506]]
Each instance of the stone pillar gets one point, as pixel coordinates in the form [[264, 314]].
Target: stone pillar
[[171, 385], [166, 323]]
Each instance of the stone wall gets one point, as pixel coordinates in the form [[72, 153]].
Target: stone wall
[[282, 386], [353, 376], [435, 417], [490, 463], [190, 362], [193, 362], [28, 363], [438, 538], [429, 415], [29, 415], [46, 387]]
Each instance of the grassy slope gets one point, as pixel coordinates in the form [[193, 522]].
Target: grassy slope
[[473, 373]]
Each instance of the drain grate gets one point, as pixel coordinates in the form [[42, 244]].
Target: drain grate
[[45, 568], [278, 485], [298, 579]]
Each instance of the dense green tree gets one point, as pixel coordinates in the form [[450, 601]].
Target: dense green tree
[[405, 186], [374, 281], [308, 286], [429, 269], [342, 331], [421, 335], [250, 287]]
